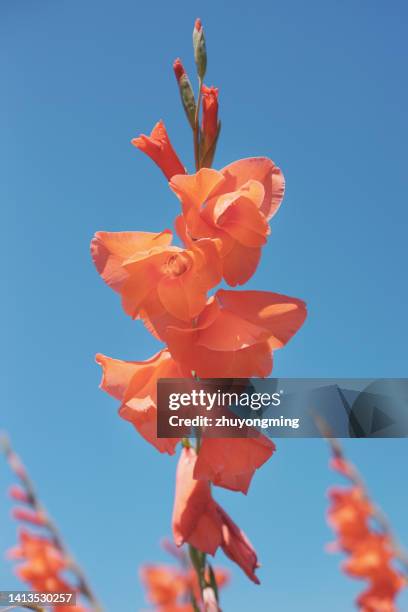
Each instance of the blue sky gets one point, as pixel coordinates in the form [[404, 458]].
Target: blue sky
[[317, 86]]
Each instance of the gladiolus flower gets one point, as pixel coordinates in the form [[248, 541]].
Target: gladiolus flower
[[29, 516], [231, 462], [18, 493], [237, 547], [134, 383], [158, 282], [158, 147], [163, 583], [370, 554], [195, 516], [168, 587], [236, 334], [349, 514], [234, 205], [200, 521], [42, 563], [381, 594]]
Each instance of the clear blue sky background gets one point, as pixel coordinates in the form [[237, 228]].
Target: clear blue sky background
[[318, 86]]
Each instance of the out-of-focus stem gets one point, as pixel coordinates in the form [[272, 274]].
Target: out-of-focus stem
[[72, 565], [26, 606]]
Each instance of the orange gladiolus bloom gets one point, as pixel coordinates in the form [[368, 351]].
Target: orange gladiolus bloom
[[158, 147], [164, 584], [234, 205], [231, 462], [195, 516], [200, 521], [381, 594], [369, 557], [236, 333], [167, 587], [42, 563], [237, 547], [134, 383], [349, 514], [370, 554], [158, 282]]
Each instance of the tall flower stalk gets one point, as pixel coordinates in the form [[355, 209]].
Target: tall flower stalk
[[223, 225], [43, 557], [365, 536]]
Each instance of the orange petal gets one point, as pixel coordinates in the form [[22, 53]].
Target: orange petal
[[195, 516], [117, 375], [240, 263], [279, 315], [193, 190], [141, 285], [135, 384], [236, 333], [237, 547], [231, 462], [158, 147], [110, 249], [259, 169]]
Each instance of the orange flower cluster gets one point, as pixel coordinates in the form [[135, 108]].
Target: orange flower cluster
[[42, 566], [371, 553], [222, 227], [174, 589], [42, 562]]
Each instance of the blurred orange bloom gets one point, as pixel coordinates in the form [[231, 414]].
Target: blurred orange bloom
[[236, 334], [29, 516], [41, 563], [170, 589], [234, 205], [164, 584], [134, 383], [369, 557], [19, 494], [231, 462], [370, 553], [380, 595], [158, 147], [349, 514], [162, 284], [200, 521]]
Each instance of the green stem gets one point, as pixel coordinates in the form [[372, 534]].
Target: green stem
[[196, 132], [198, 560]]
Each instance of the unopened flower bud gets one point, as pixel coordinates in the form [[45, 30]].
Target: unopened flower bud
[[19, 494], [29, 516], [200, 52], [186, 91], [210, 125]]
